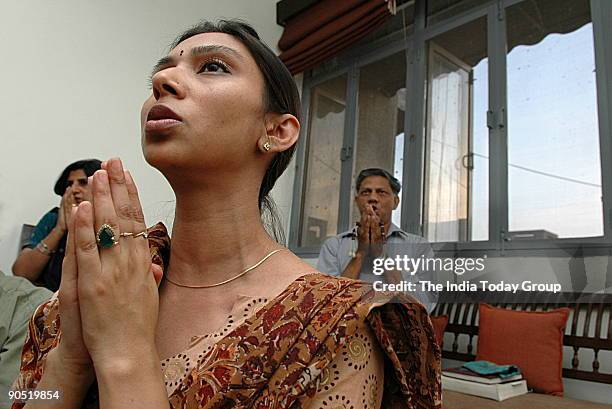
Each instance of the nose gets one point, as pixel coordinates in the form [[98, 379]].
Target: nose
[[76, 188], [167, 82]]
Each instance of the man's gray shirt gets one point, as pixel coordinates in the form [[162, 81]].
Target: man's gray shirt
[[335, 255], [19, 298]]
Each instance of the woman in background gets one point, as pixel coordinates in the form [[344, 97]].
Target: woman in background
[[40, 259], [237, 320]]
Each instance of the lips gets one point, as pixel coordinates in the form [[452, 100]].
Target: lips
[[159, 112], [161, 118]]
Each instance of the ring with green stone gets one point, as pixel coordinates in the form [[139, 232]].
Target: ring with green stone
[[106, 236]]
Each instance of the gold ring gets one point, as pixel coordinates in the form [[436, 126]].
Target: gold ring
[[142, 234], [106, 236]]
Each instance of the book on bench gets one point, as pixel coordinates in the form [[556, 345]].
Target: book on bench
[[497, 391], [465, 374]]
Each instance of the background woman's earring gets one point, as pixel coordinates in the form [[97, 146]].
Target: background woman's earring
[[267, 146]]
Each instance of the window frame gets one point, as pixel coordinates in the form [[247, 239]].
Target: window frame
[[414, 41]]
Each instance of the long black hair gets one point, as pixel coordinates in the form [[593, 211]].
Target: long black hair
[[280, 96], [89, 166]]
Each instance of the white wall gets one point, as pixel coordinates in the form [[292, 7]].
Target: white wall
[[74, 75]]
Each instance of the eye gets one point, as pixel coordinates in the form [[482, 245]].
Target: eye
[[213, 66]]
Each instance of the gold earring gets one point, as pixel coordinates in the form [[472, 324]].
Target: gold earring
[[267, 146]]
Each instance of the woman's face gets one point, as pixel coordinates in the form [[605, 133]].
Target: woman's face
[[206, 110]]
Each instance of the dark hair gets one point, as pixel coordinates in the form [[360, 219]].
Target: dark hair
[[89, 166], [393, 182], [280, 96]]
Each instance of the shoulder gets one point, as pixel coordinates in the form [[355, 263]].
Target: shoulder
[[319, 279], [23, 288], [414, 238], [52, 214], [49, 218], [331, 292], [334, 241], [408, 237], [47, 222], [159, 244], [342, 236]]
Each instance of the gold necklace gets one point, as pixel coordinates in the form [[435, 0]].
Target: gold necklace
[[267, 256]]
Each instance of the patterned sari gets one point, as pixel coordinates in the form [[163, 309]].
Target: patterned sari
[[287, 353]]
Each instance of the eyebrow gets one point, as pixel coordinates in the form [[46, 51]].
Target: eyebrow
[[80, 180], [207, 49], [196, 51], [378, 189]]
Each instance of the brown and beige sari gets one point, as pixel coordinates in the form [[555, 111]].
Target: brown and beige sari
[[324, 342]]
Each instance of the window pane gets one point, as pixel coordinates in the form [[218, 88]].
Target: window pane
[[322, 185], [457, 158], [553, 140], [380, 131]]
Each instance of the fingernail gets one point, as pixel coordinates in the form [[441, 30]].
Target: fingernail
[[116, 164], [102, 176]]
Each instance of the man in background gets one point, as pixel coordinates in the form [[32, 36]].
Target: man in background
[[351, 254], [40, 260], [18, 301]]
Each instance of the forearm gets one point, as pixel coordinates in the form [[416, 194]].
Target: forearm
[[71, 385], [54, 238], [353, 269], [30, 262], [134, 383]]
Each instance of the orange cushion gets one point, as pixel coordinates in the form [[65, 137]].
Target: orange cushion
[[439, 324], [532, 340]]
